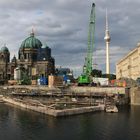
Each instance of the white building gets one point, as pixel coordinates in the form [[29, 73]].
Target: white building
[[129, 66]]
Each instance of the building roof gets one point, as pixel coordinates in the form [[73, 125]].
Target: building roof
[[31, 42], [4, 49]]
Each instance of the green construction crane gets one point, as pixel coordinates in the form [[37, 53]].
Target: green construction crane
[[85, 78]]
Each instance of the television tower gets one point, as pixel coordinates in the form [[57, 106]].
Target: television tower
[[107, 41]]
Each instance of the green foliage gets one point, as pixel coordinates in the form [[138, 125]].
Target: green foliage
[[96, 73], [110, 76], [25, 80]]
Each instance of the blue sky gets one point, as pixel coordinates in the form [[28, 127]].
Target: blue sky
[[63, 25]]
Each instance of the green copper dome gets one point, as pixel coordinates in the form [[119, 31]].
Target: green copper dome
[[45, 46], [31, 42], [4, 49]]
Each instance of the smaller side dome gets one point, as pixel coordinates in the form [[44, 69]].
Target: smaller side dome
[[14, 59], [45, 46], [4, 49]]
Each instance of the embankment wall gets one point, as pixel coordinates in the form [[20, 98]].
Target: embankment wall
[[53, 112]]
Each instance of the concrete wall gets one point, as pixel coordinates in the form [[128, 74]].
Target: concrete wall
[[113, 90], [135, 96], [44, 109], [71, 89]]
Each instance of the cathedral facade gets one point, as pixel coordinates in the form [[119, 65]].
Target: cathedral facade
[[34, 59]]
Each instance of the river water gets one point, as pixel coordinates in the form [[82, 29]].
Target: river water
[[21, 124]]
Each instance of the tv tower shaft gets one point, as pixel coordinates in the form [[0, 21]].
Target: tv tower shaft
[[107, 40]]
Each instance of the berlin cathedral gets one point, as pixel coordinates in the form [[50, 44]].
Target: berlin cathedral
[[33, 57]]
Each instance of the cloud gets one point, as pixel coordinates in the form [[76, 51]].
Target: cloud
[[63, 25]]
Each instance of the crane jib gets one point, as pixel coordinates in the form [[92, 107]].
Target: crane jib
[[87, 69]]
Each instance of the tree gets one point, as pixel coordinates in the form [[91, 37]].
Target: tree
[[96, 73], [25, 79], [110, 76]]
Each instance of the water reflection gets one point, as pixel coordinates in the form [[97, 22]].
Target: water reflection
[[22, 124]]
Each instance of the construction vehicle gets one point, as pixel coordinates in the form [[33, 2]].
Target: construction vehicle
[[85, 78]]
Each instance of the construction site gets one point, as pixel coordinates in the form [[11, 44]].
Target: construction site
[[64, 101], [35, 84]]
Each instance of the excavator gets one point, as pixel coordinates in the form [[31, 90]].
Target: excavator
[[85, 77]]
